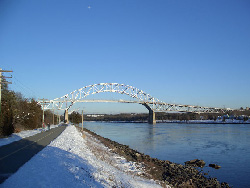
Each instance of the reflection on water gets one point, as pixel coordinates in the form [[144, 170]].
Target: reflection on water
[[226, 144]]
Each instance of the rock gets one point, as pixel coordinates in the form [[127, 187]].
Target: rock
[[201, 163], [214, 166], [195, 163], [187, 184], [224, 184], [138, 156]]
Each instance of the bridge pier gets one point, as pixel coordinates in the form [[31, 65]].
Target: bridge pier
[[151, 114], [151, 117], [66, 116]]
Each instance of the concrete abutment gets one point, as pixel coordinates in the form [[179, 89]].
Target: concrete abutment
[[66, 116], [151, 114], [151, 117]]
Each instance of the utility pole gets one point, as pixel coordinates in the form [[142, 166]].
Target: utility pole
[[53, 116], [82, 120], [43, 126], [57, 118], [3, 82]]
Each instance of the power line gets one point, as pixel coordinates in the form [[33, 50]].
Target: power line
[[3, 82], [25, 88], [19, 88]]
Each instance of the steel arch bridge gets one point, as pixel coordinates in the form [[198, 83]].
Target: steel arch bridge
[[139, 96]]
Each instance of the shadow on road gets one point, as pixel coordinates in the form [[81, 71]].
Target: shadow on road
[[14, 155], [54, 167]]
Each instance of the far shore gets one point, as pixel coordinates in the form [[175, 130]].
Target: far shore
[[182, 122]]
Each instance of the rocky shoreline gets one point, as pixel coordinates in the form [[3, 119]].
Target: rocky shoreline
[[173, 174]]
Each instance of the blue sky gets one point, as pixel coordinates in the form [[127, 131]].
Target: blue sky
[[193, 52]]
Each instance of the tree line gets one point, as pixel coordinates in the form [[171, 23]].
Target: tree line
[[76, 118], [19, 113]]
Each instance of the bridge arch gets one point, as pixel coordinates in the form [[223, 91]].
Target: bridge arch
[[151, 103], [135, 93], [80, 94]]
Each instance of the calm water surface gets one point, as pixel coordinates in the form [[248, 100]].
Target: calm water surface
[[226, 145]]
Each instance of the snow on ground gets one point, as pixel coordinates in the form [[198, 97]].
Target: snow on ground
[[23, 134], [78, 160]]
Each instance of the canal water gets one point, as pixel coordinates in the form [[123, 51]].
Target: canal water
[[227, 145]]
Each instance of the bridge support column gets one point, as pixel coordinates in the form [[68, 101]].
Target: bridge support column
[[151, 117], [66, 116]]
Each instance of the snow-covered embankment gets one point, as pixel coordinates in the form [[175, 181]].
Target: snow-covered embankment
[[76, 160]]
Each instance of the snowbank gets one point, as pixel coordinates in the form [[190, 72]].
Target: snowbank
[[76, 160]]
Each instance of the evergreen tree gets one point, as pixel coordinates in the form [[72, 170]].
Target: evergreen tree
[[75, 117], [7, 111]]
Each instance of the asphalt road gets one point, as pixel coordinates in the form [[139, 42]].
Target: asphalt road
[[16, 154]]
